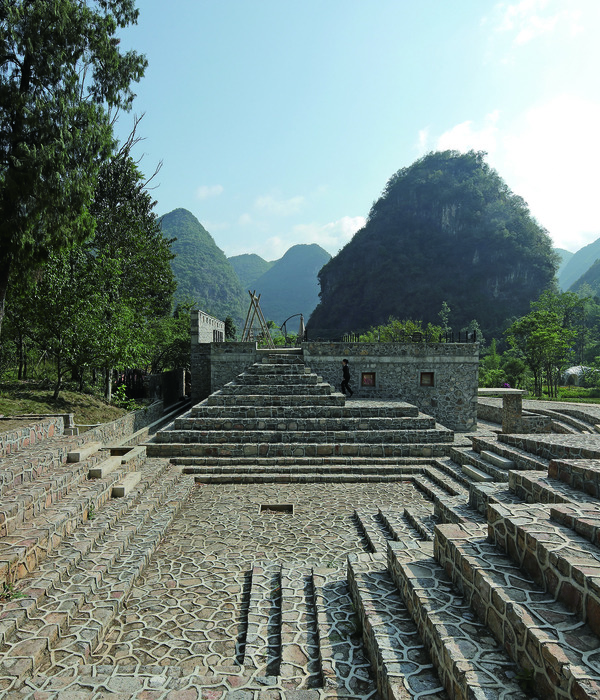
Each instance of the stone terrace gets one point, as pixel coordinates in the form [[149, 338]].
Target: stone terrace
[[278, 541]]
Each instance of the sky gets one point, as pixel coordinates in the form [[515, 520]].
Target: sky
[[279, 122]]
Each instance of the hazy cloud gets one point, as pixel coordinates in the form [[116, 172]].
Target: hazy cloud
[[466, 136], [209, 191], [245, 220], [529, 19], [548, 155], [269, 204]]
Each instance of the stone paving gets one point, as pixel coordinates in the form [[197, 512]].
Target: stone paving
[[332, 575]]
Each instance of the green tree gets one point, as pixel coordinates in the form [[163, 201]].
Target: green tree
[[230, 329], [61, 72], [545, 338]]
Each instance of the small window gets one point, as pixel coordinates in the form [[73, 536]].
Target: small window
[[427, 379], [367, 379]]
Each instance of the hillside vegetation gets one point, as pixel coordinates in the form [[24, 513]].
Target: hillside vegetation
[[446, 229], [204, 274], [291, 285], [249, 267]]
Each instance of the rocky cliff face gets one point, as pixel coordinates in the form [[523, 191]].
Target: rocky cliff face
[[445, 229]]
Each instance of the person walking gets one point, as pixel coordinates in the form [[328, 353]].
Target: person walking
[[346, 378]]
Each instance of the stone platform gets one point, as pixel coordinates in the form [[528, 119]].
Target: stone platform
[[450, 566]]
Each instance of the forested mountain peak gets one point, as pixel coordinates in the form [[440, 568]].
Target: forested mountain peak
[[249, 267], [203, 273], [291, 285], [447, 228]]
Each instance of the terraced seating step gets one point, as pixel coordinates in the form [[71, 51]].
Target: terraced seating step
[[83, 586], [552, 446], [561, 657], [581, 474], [467, 661], [404, 666], [523, 459], [563, 563], [535, 488], [286, 449], [214, 437]]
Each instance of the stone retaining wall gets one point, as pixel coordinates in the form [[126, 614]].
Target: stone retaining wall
[[41, 428], [125, 425], [528, 422], [439, 378]]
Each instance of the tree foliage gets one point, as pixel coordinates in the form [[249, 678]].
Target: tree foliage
[[446, 229], [99, 304], [61, 71]]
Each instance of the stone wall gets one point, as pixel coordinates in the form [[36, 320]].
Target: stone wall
[[439, 378], [41, 427], [215, 364], [125, 425]]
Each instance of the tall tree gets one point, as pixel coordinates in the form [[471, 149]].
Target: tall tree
[[61, 72]]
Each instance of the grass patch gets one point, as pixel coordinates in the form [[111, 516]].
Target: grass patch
[[17, 398]]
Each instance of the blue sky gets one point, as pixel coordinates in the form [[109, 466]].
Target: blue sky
[[280, 121]]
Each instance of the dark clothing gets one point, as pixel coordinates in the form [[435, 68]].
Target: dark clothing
[[346, 380]]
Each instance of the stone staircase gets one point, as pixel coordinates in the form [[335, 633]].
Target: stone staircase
[[281, 415], [484, 583]]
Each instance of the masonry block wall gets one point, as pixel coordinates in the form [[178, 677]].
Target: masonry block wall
[[206, 329], [439, 378]]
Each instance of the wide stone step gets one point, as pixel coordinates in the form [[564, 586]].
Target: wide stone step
[[299, 399], [306, 424], [84, 452], [76, 612], [316, 465], [354, 409], [561, 656], [469, 663], [563, 563], [470, 460], [261, 368], [217, 437], [581, 474], [296, 378], [405, 669], [287, 389], [277, 450]]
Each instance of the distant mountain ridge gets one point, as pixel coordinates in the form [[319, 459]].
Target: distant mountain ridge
[[203, 273], [578, 265], [249, 267], [289, 285]]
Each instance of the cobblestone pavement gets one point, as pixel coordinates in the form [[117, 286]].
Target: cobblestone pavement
[[191, 609]]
